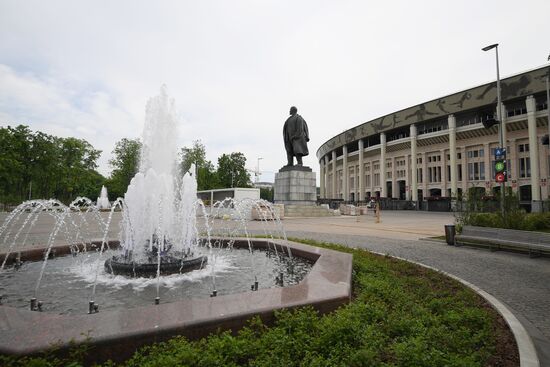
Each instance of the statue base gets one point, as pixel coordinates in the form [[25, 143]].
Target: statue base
[[295, 185], [295, 168]]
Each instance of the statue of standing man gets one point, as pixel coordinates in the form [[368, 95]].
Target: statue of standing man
[[296, 136]]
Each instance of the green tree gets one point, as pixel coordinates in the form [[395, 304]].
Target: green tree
[[78, 161], [38, 165], [207, 177], [266, 193], [195, 155], [232, 171], [125, 165]]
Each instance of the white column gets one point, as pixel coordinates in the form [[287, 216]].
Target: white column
[[345, 174], [533, 154], [361, 171], [424, 175], [414, 168], [334, 175], [383, 192], [512, 155], [443, 173], [407, 177], [452, 152], [322, 177], [465, 178], [394, 190]]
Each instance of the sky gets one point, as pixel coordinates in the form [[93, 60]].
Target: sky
[[87, 68]]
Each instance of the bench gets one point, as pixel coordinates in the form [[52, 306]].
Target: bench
[[535, 243]]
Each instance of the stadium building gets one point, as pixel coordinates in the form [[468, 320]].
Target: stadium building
[[441, 148]]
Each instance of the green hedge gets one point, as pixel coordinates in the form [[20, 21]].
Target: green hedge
[[518, 220], [401, 315]]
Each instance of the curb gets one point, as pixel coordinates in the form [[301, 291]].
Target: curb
[[527, 353]]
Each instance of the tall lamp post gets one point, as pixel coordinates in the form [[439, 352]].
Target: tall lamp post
[[258, 170], [500, 119]]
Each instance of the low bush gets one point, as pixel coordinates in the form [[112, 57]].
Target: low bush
[[401, 315]]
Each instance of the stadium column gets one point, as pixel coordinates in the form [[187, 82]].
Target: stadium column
[[361, 195], [407, 177], [383, 183], [322, 177], [452, 152], [414, 169], [465, 177], [334, 175], [443, 173], [394, 190], [536, 204], [513, 167], [424, 175], [345, 173]]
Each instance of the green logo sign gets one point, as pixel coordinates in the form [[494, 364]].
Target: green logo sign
[[499, 166]]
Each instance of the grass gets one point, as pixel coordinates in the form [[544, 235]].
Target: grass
[[401, 315]]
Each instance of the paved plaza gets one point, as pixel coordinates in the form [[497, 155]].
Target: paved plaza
[[520, 282]]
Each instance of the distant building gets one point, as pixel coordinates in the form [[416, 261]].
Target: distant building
[[263, 185], [237, 193], [441, 148]]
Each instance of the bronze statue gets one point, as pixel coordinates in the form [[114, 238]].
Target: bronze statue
[[296, 136]]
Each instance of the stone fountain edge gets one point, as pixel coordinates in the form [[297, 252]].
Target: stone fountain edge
[[117, 334]]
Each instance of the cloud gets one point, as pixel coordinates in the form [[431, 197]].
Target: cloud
[[234, 68], [63, 108]]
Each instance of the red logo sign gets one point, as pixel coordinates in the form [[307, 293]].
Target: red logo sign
[[500, 177]]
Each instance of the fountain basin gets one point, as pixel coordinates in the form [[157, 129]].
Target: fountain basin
[[168, 265], [116, 334]]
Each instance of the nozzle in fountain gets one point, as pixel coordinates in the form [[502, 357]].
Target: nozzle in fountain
[[92, 307], [157, 300], [33, 304], [214, 293], [18, 261]]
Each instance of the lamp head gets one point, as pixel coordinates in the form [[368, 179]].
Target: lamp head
[[490, 47]]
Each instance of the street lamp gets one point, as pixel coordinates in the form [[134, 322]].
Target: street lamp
[[258, 170], [499, 119]]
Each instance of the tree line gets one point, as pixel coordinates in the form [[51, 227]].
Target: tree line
[[35, 165]]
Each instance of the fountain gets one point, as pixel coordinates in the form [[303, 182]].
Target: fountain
[[159, 230], [170, 244], [103, 200]]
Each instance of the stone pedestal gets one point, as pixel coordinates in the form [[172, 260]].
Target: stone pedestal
[[295, 185]]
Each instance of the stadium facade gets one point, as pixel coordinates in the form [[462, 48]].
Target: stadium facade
[[441, 148]]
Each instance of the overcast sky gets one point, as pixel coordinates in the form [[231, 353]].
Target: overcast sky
[[87, 68]]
